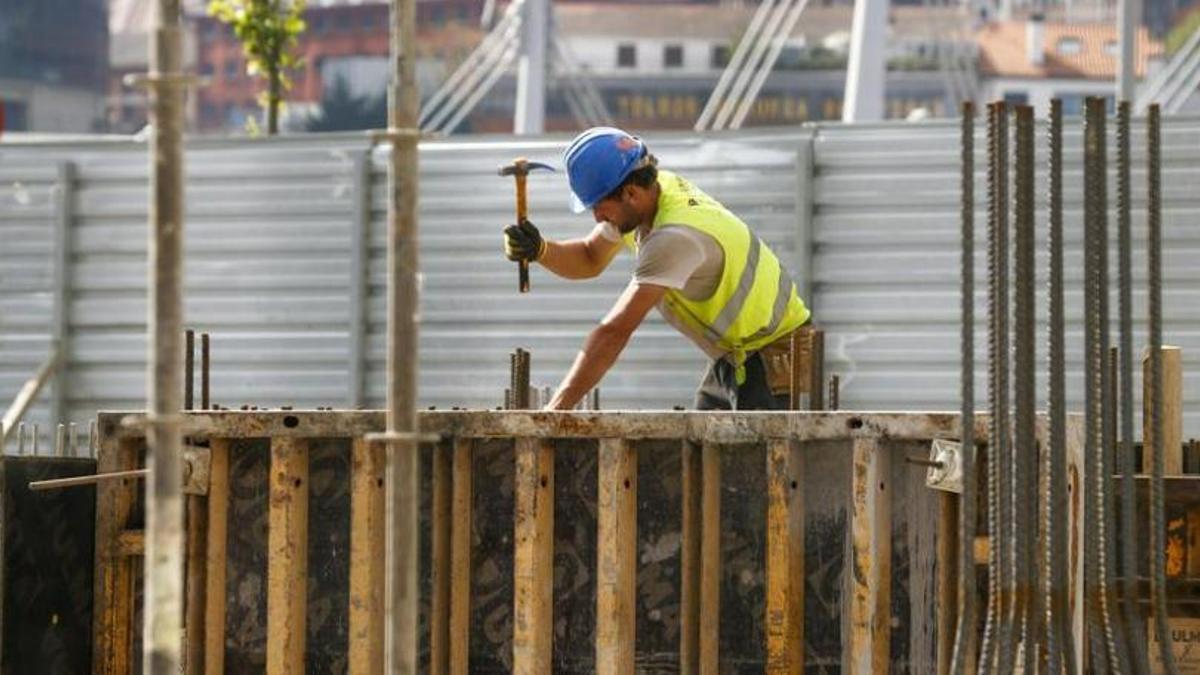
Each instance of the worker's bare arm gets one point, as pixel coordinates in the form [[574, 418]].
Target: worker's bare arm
[[581, 258], [605, 342]]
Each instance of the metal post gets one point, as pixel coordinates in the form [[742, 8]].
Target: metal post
[[866, 70], [531, 69], [72, 440], [964, 644], [1128, 12], [60, 441], [61, 323], [189, 369], [1158, 585], [403, 462], [163, 603]]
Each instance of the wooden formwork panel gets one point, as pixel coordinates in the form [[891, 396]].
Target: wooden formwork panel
[[760, 541]]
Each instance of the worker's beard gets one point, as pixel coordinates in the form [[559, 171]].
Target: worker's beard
[[628, 220]]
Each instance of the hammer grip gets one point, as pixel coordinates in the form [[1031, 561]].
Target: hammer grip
[[523, 265]]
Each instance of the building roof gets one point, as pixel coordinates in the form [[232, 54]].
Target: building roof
[[1002, 51], [715, 21]]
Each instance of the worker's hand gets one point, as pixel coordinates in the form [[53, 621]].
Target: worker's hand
[[523, 242]]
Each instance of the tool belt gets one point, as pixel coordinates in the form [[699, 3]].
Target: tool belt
[[777, 359]]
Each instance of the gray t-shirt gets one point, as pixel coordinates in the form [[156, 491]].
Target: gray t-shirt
[[681, 258]]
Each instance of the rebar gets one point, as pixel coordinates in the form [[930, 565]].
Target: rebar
[[1107, 633], [1125, 456], [1158, 582], [1060, 647], [205, 401], [1025, 396], [988, 647], [72, 440], [34, 443], [92, 439], [1007, 637], [1119, 647], [963, 660], [835, 384], [189, 369], [21, 439], [60, 441]]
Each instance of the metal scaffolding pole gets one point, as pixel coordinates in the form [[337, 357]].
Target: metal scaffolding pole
[[403, 463], [1127, 27], [163, 615], [865, 73], [530, 115]]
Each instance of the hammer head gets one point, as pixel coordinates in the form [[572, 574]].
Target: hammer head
[[521, 167]]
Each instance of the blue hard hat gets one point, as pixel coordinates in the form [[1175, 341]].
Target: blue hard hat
[[599, 160]]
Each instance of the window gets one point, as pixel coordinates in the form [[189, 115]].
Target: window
[[1016, 97], [720, 56], [1112, 48], [673, 56], [1069, 46], [231, 70], [626, 56], [317, 24], [206, 68]]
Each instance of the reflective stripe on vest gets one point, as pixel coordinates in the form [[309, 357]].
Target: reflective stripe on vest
[[737, 318]]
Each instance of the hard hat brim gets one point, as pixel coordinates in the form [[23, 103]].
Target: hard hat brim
[[577, 205]]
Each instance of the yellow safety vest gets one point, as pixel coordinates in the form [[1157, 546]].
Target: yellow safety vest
[[755, 302]]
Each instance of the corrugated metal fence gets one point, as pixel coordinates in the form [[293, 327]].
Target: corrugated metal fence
[[285, 251]]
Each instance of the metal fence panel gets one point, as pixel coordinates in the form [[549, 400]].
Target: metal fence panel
[[286, 243]]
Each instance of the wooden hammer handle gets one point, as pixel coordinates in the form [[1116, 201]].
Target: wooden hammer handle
[[522, 210]]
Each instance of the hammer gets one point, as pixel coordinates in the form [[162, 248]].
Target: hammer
[[519, 169]]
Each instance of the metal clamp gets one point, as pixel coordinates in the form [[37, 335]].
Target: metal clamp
[[944, 466]]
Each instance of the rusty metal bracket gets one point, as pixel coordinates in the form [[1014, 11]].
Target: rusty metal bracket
[[197, 469]]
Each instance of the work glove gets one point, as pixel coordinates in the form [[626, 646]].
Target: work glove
[[523, 242]]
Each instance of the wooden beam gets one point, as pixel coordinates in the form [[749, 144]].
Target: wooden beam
[[710, 560], [867, 643], [112, 609], [367, 492], [215, 557], [439, 565], [460, 557], [616, 557], [1172, 411], [196, 580], [785, 558], [689, 559], [130, 543], [947, 578], [533, 558], [287, 557]]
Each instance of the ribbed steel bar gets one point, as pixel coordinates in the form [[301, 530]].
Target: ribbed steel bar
[[1105, 486], [402, 592], [964, 657], [1102, 630], [1060, 647], [189, 369], [997, 650], [164, 553], [205, 402], [1009, 633], [1024, 391], [1158, 582], [1125, 455]]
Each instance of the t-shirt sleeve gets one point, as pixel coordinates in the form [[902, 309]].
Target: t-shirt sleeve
[[669, 258]]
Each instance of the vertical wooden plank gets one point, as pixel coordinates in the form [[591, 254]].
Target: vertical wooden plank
[[367, 492], [689, 559], [533, 558], [287, 556], [867, 642], [197, 569], [112, 611], [785, 557], [1172, 410], [710, 560], [215, 558], [947, 579], [460, 557], [616, 557], [439, 567]]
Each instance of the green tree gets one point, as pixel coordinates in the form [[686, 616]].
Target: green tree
[[267, 30], [343, 111]]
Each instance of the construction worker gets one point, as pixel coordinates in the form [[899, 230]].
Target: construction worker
[[709, 275]]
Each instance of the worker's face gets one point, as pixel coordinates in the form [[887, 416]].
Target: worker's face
[[623, 209]]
